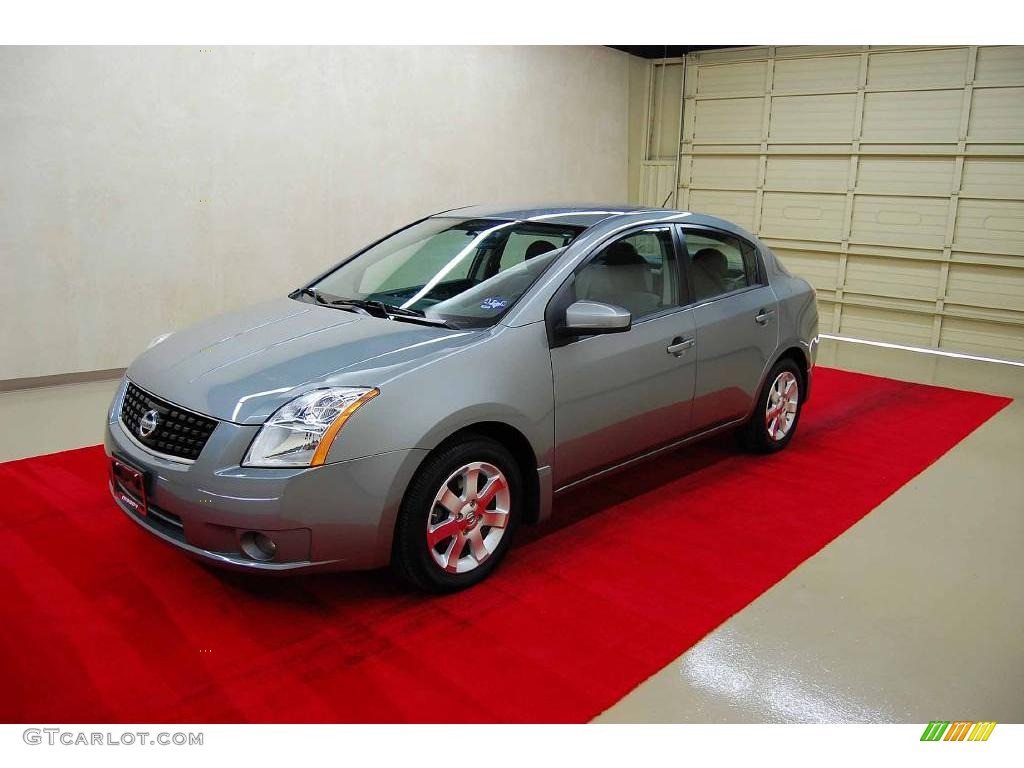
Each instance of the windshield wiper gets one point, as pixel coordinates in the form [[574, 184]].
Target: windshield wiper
[[413, 318], [352, 305], [372, 305], [316, 295], [400, 313], [379, 309]]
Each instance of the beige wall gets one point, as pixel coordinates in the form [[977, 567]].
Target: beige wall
[[142, 189], [639, 95]]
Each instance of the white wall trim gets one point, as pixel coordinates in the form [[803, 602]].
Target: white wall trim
[[925, 350]]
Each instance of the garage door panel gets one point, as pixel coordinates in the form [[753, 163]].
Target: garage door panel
[[1000, 64], [735, 149], [810, 51], [737, 207], [986, 286], [906, 175], [898, 278], [826, 315], [991, 226], [802, 216], [921, 116], [1000, 340], [886, 325], [813, 118], [889, 181], [728, 172], [987, 259], [909, 149], [997, 114], [819, 269], [656, 183], [689, 116], [917, 69], [663, 135], [728, 119], [811, 174], [829, 73], [911, 221], [742, 79], [732, 55], [993, 177]]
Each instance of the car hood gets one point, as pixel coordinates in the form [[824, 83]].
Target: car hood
[[244, 365]]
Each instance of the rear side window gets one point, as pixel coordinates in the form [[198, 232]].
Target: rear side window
[[719, 263]]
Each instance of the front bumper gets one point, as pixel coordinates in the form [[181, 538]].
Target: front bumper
[[337, 516]]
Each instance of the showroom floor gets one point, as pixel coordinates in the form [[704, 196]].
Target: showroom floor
[[913, 614]]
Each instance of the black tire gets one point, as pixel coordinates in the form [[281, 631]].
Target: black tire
[[411, 557], [754, 435]]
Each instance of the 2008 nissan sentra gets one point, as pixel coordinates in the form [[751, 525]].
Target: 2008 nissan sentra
[[416, 403]]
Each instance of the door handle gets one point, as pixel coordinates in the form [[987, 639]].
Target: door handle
[[678, 346], [763, 316]]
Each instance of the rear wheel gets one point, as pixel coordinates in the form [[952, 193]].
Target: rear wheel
[[777, 412], [458, 516]]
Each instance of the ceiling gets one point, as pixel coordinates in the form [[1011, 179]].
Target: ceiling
[[664, 51]]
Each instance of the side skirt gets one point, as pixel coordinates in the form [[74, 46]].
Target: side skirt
[[651, 454]]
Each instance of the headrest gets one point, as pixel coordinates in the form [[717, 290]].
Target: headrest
[[537, 247], [621, 254], [712, 261]]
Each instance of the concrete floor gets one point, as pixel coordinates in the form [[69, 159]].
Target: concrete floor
[[51, 419], [914, 614]]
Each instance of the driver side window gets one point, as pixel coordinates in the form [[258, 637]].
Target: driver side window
[[636, 272]]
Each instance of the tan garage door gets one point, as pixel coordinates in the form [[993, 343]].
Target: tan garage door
[[891, 178]]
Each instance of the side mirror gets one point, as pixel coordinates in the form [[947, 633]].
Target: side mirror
[[583, 318]]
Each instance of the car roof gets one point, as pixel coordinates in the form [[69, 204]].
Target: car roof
[[598, 219], [584, 215]]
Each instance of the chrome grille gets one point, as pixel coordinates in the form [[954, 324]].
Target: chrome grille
[[178, 433]]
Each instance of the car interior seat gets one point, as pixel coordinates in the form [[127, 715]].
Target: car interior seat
[[710, 273], [619, 276]]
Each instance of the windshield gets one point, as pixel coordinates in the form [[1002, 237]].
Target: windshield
[[467, 272]]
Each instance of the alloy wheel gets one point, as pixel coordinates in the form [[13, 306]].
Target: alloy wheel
[[780, 411], [469, 517]]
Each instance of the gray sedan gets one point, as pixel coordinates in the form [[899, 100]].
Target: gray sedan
[[417, 402]]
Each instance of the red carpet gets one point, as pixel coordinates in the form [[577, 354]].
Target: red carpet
[[102, 623]]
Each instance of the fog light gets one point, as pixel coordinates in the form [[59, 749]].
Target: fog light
[[258, 545]]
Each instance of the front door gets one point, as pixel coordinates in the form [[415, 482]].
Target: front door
[[621, 394]]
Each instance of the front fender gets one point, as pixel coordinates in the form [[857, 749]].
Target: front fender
[[505, 377]]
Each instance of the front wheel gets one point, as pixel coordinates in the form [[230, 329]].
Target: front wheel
[[777, 412], [458, 516]]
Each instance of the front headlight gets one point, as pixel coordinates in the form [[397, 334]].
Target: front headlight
[[300, 433]]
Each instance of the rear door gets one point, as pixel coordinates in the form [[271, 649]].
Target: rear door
[[736, 320], [620, 394]]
